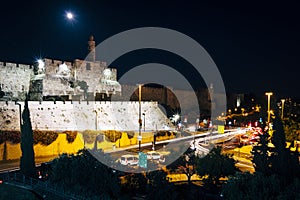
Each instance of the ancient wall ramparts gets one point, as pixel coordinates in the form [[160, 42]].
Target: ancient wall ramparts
[[83, 115]]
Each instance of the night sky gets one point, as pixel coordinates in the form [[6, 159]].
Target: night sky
[[254, 45]]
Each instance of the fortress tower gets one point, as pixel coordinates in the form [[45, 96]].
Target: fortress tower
[[92, 49]]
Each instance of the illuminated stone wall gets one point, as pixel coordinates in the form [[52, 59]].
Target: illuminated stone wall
[[95, 75], [15, 79], [170, 98], [56, 79], [83, 115]]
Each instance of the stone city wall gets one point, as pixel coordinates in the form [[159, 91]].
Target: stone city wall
[[170, 97], [100, 115]]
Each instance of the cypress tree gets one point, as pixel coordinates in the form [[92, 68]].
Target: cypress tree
[[261, 158], [284, 162], [27, 163]]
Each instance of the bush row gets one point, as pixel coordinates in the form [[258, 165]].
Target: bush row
[[39, 136]]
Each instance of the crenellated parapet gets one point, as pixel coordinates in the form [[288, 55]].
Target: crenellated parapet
[[10, 65], [14, 66]]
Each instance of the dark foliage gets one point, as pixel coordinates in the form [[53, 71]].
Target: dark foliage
[[83, 175], [10, 136], [292, 130], [112, 135], [27, 162], [130, 134], [259, 187], [261, 155], [44, 137], [277, 172], [71, 136], [185, 164], [158, 186], [214, 166]]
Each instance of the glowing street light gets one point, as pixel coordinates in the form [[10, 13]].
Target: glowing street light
[[269, 94], [282, 107]]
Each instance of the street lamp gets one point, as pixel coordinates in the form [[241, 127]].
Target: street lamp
[[96, 119], [140, 117], [20, 114], [144, 122], [269, 95], [282, 107]]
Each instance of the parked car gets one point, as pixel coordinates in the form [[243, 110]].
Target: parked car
[[153, 155], [129, 160], [162, 159]]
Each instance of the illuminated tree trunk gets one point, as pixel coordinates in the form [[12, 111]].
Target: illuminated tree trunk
[[27, 163]]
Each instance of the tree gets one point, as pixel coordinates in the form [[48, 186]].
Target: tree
[[185, 164], [278, 136], [215, 165], [292, 130], [248, 186], [135, 183], [261, 158], [158, 187], [284, 162], [259, 187], [83, 175], [27, 163]]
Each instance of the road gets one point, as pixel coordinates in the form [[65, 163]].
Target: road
[[11, 165], [163, 147]]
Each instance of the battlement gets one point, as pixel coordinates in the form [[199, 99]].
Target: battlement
[[49, 61], [15, 65], [76, 62], [62, 103]]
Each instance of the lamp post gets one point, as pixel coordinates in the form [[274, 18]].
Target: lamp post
[[282, 107], [144, 122], [269, 96], [140, 117], [20, 113], [96, 120]]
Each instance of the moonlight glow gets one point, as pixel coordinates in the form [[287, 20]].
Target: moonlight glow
[[70, 15]]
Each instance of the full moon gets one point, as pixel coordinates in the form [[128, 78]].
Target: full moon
[[69, 15]]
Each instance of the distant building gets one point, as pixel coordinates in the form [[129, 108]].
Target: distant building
[[247, 101]]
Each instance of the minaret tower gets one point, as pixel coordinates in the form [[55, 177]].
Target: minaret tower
[[92, 49]]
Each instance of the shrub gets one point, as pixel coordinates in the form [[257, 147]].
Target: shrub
[[113, 135], [44, 137], [130, 134], [71, 135], [89, 136], [12, 136]]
